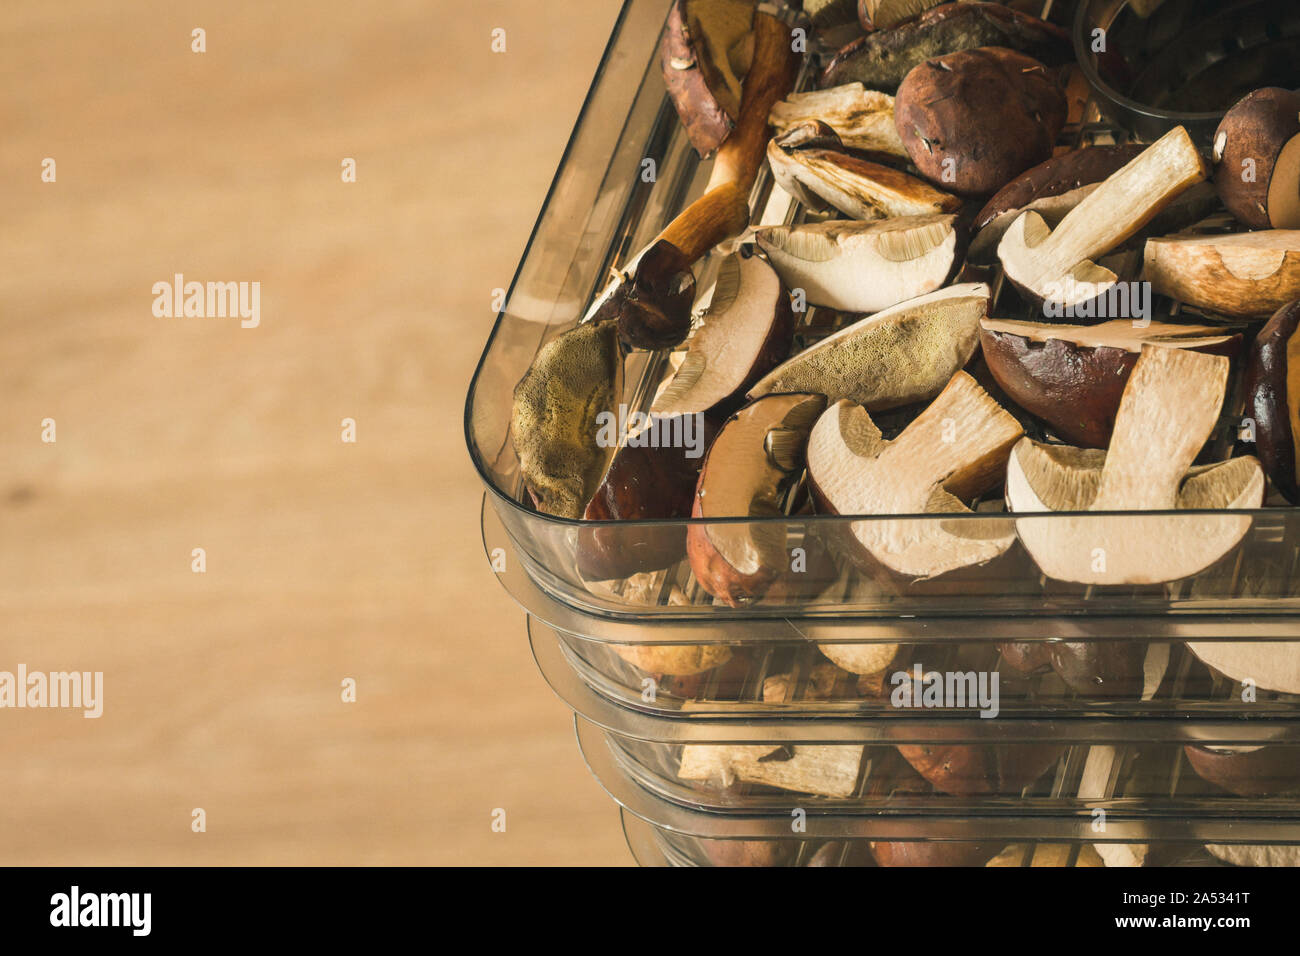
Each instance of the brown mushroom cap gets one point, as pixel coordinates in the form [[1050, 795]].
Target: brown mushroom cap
[[1257, 155], [702, 53], [1273, 398], [1073, 377], [973, 121]]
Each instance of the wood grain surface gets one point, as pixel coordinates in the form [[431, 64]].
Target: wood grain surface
[[325, 560]]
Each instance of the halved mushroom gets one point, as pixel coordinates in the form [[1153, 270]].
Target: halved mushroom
[[864, 266], [1257, 159], [1246, 771], [1246, 275], [1273, 398], [1055, 265], [745, 473], [825, 770], [745, 333], [822, 177], [1270, 665], [555, 422], [1244, 854], [861, 659], [1073, 376], [883, 14], [953, 450], [997, 769], [1168, 410], [1047, 854], [706, 50], [1050, 189], [862, 119], [904, 354]]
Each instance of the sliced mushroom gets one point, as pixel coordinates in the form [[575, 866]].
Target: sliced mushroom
[[1243, 854], [1055, 265], [862, 119], [861, 659], [1273, 398], [825, 770], [996, 769], [745, 473], [883, 14], [882, 58], [955, 449], [904, 354], [972, 121], [1246, 771], [1050, 189], [1257, 159], [864, 266], [1167, 412], [555, 422], [706, 47], [1073, 376], [1047, 854], [821, 178], [745, 333], [1269, 665], [1246, 275]]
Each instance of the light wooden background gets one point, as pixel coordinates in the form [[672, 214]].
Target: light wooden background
[[325, 560]]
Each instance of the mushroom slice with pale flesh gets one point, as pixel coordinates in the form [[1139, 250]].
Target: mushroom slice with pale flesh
[[954, 450], [1168, 410], [745, 332], [862, 119], [745, 473], [822, 177], [864, 266], [1248, 275], [905, 354], [1054, 265]]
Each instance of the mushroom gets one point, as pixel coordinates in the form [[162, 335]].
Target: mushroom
[[882, 58], [995, 769], [746, 332], [904, 354], [1054, 265], [862, 119], [931, 852], [974, 120], [864, 659], [864, 266], [1047, 854], [574, 380], [822, 177], [883, 14], [705, 52], [1051, 189], [1246, 275], [676, 660], [1273, 398], [953, 450], [1246, 771], [1072, 376], [1169, 408], [652, 306], [1257, 159], [1244, 854], [745, 472], [1270, 665], [645, 483]]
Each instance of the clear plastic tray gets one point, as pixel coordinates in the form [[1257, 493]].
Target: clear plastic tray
[[657, 846], [903, 813], [598, 213], [1096, 678]]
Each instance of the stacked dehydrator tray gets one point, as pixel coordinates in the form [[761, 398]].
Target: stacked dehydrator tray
[[1130, 724]]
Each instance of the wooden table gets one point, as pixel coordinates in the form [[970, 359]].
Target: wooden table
[[325, 560]]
